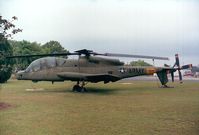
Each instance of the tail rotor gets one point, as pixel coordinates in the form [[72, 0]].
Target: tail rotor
[[162, 74], [177, 64]]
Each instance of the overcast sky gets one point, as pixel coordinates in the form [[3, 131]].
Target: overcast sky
[[148, 27]]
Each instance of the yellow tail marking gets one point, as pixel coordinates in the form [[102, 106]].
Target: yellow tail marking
[[150, 71]]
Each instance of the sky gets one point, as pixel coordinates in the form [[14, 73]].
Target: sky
[[146, 27]]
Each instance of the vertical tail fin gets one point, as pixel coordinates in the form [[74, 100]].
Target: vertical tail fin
[[163, 77]]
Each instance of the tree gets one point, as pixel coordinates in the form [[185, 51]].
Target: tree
[[5, 64], [7, 30], [139, 63], [24, 48], [53, 47]]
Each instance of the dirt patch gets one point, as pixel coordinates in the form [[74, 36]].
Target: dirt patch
[[37, 89], [4, 106]]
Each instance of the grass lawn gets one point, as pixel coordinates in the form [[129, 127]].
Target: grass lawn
[[139, 108]]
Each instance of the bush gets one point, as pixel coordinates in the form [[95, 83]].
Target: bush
[[5, 64]]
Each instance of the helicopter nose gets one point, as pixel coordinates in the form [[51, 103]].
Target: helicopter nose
[[20, 75]]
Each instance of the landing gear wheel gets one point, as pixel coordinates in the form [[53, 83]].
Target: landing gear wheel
[[83, 89], [76, 88], [79, 88]]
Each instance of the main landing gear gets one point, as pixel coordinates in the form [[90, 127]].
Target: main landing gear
[[79, 88]]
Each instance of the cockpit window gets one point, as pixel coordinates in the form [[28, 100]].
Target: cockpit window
[[34, 66], [51, 62], [45, 63], [60, 61]]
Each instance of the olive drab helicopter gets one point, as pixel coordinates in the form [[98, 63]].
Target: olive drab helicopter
[[89, 67]]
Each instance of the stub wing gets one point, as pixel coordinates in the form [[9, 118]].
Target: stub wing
[[73, 76]]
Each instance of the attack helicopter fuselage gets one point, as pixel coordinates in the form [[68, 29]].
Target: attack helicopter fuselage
[[92, 69], [89, 68]]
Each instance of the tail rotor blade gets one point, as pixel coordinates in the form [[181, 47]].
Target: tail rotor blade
[[180, 76], [177, 61], [172, 76], [177, 64]]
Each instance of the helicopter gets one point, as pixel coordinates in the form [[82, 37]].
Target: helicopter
[[92, 67]]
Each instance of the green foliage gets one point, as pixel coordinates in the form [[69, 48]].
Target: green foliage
[[23, 48], [26, 47], [140, 63], [7, 30], [53, 47], [5, 64]]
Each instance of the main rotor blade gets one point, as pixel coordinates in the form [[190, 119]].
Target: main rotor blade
[[133, 56], [180, 76], [41, 55], [88, 53]]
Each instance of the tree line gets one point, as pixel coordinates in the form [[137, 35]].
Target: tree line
[[26, 47]]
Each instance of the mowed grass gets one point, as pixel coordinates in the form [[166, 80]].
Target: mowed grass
[[139, 108]]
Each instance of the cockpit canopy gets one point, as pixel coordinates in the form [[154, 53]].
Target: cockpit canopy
[[45, 63]]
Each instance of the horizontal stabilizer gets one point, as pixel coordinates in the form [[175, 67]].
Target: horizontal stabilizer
[[186, 66]]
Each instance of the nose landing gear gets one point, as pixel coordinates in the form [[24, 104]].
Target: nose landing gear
[[79, 88]]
